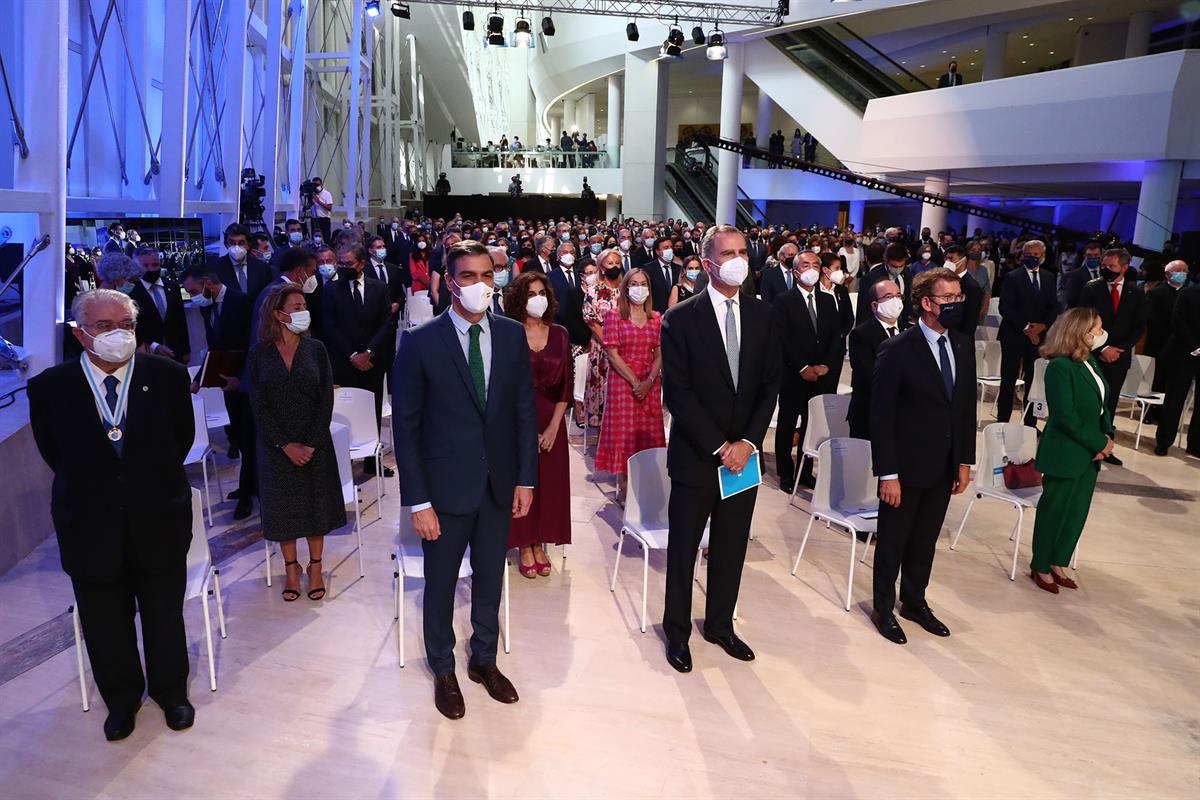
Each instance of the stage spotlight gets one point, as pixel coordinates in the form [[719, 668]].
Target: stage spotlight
[[698, 35], [495, 29], [401, 10], [716, 46], [468, 21], [371, 7], [631, 32], [522, 33], [672, 46], [547, 26]]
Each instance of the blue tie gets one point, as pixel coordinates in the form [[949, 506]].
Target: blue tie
[[110, 397], [947, 371]]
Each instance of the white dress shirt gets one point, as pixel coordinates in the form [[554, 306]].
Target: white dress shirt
[[98, 376], [720, 310]]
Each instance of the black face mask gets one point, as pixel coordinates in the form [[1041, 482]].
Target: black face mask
[[950, 315], [150, 276], [347, 273], [612, 273], [1109, 275]]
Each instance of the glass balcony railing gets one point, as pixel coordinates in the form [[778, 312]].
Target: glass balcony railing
[[536, 158]]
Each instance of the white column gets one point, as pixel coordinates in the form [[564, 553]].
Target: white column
[[555, 130], [995, 49], [298, 94], [857, 213], [238, 84], [614, 123], [569, 123], [731, 124], [364, 152], [762, 121], [43, 110], [612, 206], [934, 217], [1137, 39], [585, 115], [1156, 203], [272, 86], [350, 187], [643, 158]]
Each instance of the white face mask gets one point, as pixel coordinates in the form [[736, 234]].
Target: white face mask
[[809, 277], [536, 306], [625, 244], [836, 277], [300, 320], [891, 308], [926, 256], [734, 271], [115, 346], [237, 253], [476, 298], [1100, 340], [638, 294], [420, 245], [567, 260], [310, 284], [816, 248], [668, 255], [591, 278]]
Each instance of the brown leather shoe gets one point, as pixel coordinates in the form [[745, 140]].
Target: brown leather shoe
[[448, 697], [1064, 581], [1047, 586], [498, 686]]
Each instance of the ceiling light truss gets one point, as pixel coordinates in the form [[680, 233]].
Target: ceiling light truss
[[729, 13]]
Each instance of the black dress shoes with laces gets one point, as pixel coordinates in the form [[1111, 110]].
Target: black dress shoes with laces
[[499, 688], [179, 716], [679, 656], [448, 697], [888, 627], [924, 617], [732, 645]]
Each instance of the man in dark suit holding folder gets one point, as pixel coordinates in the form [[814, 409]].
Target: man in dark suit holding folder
[[721, 372]]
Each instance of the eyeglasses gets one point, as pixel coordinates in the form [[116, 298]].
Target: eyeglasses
[[949, 298], [105, 326], [348, 264], [888, 297]]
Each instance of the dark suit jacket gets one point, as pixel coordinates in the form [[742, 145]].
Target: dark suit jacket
[[231, 328], [449, 449], [1019, 306], [917, 431], [258, 275], [110, 511], [1126, 326], [1185, 324], [1074, 282], [706, 410], [639, 257], [660, 288], [569, 313], [803, 346], [395, 280], [398, 246], [151, 327], [845, 309], [757, 254], [972, 304], [773, 284], [949, 79], [878, 273], [1160, 305], [350, 328], [865, 340]]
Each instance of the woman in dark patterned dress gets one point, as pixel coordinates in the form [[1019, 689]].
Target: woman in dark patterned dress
[[291, 392], [598, 300]]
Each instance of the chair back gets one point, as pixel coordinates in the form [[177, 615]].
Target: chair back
[[826, 420], [648, 490], [420, 309], [581, 373], [1139, 381], [411, 553], [341, 450], [1037, 392], [216, 413], [200, 419], [199, 559], [987, 333], [845, 483], [987, 359], [1004, 443], [355, 408]]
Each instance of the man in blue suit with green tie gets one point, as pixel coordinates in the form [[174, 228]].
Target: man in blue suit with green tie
[[466, 449]]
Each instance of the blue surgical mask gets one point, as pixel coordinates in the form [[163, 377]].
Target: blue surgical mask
[[295, 237], [595, 248], [125, 287], [1177, 278], [692, 274], [327, 271], [500, 278], [202, 301], [381, 253], [1092, 262]]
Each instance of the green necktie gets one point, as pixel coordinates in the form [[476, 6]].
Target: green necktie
[[475, 363]]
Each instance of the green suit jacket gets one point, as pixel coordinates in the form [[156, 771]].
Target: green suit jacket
[[1079, 424]]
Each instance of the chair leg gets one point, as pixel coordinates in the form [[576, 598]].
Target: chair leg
[[800, 554], [362, 572], [207, 498], [853, 553], [1137, 441], [961, 525], [866, 547], [220, 603], [696, 569], [645, 582], [506, 625], [267, 551], [612, 587], [83, 693], [796, 485], [217, 476], [379, 481], [212, 667], [1075, 557], [1012, 575]]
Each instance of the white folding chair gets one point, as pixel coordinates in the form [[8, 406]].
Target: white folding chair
[[1036, 393], [203, 579], [355, 408], [645, 520], [845, 496], [987, 370], [216, 414], [1003, 443], [341, 449], [409, 562], [826, 420], [420, 309], [201, 452], [1139, 390]]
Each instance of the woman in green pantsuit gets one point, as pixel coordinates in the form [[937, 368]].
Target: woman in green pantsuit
[[1079, 433]]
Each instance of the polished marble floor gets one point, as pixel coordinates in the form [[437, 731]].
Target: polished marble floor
[[1092, 693]]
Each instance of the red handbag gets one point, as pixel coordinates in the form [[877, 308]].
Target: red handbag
[[1022, 476]]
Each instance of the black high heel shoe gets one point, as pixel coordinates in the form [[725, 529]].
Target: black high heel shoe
[[290, 595], [319, 592]]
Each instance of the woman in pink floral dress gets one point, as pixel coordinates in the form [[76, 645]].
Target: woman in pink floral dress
[[599, 299]]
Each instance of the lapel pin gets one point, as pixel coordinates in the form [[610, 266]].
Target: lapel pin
[[145, 388]]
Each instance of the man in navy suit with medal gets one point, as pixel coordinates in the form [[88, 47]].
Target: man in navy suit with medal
[[115, 428]]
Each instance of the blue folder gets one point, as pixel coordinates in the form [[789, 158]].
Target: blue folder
[[732, 483]]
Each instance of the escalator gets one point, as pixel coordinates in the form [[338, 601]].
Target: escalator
[[828, 57], [690, 180]]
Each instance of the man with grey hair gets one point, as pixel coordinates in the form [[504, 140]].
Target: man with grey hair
[[501, 275], [1028, 307], [161, 324], [115, 428], [118, 271], [543, 250], [777, 276]]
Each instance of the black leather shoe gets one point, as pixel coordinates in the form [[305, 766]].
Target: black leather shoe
[[243, 509], [679, 656], [786, 484], [499, 688], [888, 627], [236, 494], [925, 618], [732, 645], [448, 697], [1111, 459], [119, 724], [180, 716], [1160, 451], [808, 481], [233, 452]]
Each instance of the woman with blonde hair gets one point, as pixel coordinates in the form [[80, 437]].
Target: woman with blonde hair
[[599, 299], [1079, 434], [633, 415]]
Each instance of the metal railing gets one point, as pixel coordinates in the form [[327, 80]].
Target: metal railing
[[536, 158]]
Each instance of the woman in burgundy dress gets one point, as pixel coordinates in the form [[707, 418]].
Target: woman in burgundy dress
[[633, 414], [530, 301]]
